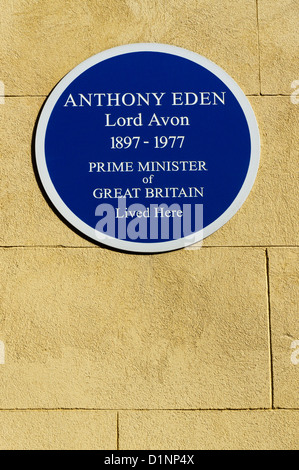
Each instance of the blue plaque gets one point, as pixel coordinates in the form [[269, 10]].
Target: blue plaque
[[147, 147]]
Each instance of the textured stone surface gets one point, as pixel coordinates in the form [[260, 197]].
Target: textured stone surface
[[270, 214], [95, 328], [25, 216], [65, 35], [279, 42], [209, 430], [284, 292], [268, 217], [57, 430]]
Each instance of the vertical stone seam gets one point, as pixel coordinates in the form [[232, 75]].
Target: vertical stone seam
[[270, 329], [258, 43], [117, 430]]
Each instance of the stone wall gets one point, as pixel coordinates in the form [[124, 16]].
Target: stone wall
[[197, 348]]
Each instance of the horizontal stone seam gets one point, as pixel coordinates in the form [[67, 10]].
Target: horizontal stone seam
[[270, 94], [24, 96]]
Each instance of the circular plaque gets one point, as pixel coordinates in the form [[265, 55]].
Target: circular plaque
[[147, 147]]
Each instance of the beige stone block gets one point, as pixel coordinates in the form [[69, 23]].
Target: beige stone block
[[284, 295], [209, 430], [26, 218], [270, 214], [268, 217], [90, 328], [42, 41], [279, 42], [57, 430]]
